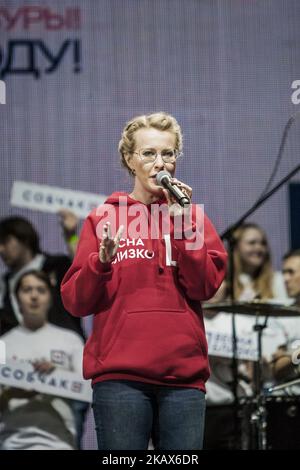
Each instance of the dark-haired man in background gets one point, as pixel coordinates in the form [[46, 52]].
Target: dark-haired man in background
[[284, 369]]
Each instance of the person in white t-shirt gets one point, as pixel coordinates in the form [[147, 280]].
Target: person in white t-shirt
[[254, 279], [286, 360], [31, 420]]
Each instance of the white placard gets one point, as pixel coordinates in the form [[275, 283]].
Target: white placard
[[2, 92], [60, 383], [219, 336], [46, 198], [2, 352]]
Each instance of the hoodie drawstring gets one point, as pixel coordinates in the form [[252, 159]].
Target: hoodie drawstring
[[160, 241]]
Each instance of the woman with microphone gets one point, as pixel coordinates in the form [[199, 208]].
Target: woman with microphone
[[147, 354]]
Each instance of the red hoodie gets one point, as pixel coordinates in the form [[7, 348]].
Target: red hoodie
[[148, 323]]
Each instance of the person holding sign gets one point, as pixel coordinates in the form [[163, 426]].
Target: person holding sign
[[33, 420]]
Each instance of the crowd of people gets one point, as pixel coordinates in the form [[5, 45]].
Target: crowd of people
[[35, 326], [37, 329]]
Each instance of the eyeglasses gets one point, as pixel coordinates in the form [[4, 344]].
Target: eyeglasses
[[150, 155]]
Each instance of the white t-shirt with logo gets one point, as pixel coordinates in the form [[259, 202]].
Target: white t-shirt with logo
[[50, 343]]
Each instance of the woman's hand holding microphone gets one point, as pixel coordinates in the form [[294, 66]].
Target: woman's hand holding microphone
[[174, 207]]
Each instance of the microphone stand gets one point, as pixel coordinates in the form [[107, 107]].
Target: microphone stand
[[228, 236]]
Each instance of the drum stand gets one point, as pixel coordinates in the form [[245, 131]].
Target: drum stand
[[258, 416], [284, 386]]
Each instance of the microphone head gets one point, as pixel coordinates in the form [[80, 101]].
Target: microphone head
[[161, 175]]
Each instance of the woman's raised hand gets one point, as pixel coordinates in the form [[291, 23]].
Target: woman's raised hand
[[109, 246]]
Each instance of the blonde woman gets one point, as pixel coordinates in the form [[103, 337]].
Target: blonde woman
[[147, 354], [254, 274]]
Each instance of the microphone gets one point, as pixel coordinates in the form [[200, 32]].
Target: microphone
[[163, 178]]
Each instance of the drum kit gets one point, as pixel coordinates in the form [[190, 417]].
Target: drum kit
[[266, 420]]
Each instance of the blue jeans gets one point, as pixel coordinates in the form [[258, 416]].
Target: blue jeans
[[127, 413]]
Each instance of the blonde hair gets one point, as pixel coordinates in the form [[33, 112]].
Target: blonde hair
[[161, 121], [262, 280]]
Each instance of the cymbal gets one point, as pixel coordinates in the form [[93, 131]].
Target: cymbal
[[256, 307]]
